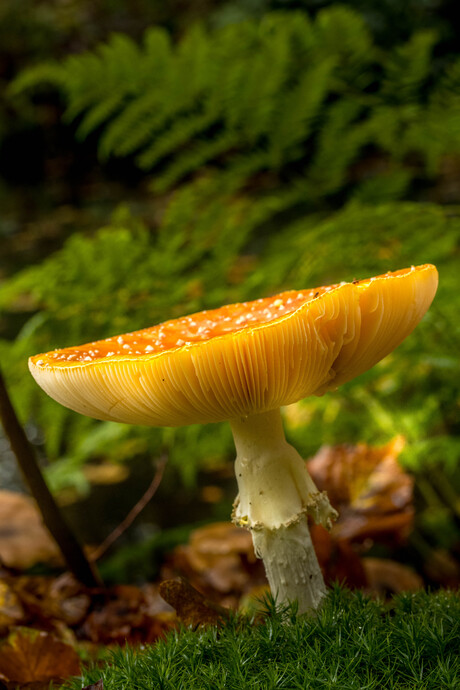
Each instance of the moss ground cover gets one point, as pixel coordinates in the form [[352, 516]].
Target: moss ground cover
[[353, 643]]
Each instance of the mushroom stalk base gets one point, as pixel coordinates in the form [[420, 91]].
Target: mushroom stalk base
[[276, 495], [291, 565]]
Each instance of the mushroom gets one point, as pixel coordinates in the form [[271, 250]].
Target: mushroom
[[241, 363]]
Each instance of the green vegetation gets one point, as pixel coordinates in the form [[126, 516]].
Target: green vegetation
[[211, 101], [258, 162], [280, 152], [353, 643], [124, 278], [229, 158], [255, 151]]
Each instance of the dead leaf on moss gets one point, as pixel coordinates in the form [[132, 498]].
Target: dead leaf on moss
[[192, 607], [371, 492], [24, 540], [32, 656]]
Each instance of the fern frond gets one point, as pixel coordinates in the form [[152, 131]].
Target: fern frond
[[339, 143], [293, 122], [193, 159], [448, 86], [386, 186], [439, 129], [275, 94], [119, 56], [84, 84], [154, 100], [342, 32], [407, 68], [179, 134], [134, 126], [44, 74], [98, 114]]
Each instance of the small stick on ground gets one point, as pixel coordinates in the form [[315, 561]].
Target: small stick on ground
[[134, 512], [53, 518]]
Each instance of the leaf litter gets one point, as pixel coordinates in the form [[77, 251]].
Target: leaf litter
[[202, 581]]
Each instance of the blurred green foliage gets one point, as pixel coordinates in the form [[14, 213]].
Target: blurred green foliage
[[286, 152], [390, 21], [271, 97], [125, 278]]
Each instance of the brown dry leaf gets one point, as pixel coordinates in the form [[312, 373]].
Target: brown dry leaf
[[31, 656], [52, 604], [68, 599], [371, 492], [219, 558], [123, 614], [192, 608], [24, 540], [95, 686], [385, 576], [67, 609], [337, 559]]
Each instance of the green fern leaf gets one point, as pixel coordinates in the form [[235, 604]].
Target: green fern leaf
[[179, 134], [407, 68], [47, 73], [292, 125], [193, 159], [99, 114]]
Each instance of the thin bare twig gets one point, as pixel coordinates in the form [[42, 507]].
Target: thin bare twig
[[53, 518], [134, 512]]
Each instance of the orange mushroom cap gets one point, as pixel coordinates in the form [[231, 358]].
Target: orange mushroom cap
[[240, 359]]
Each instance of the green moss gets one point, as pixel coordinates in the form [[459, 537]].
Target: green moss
[[354, 642]]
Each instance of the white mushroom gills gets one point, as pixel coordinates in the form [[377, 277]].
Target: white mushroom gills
[[276, 495]]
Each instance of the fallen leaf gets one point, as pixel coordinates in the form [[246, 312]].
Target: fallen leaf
[[24, 540], [124, 614], [95, 686], [218, 559], [386, 577], [192, 607], [337, 559], [222, 538], [371, 492], [32, 656], [69, 599], [51, 604]]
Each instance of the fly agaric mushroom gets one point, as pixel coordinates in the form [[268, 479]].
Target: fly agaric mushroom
[[241, 363]]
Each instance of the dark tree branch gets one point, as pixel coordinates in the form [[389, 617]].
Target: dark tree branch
[[54, 520], [134, 512]]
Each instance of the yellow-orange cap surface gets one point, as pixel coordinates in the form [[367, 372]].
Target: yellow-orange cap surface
[[241, 359]]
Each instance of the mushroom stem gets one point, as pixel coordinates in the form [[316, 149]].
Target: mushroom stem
[[276, 495]]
